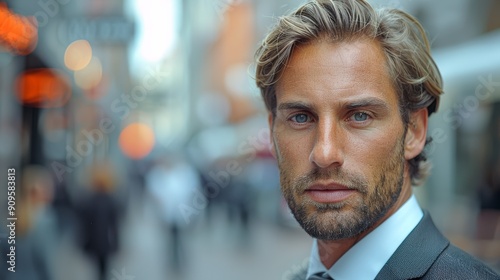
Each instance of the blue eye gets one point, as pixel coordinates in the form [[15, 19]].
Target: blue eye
[[360, 117], [300, 118]]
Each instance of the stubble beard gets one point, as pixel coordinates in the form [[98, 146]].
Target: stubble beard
[[335, 221]]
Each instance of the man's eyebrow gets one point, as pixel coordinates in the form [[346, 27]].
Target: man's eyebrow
[[375, 103], [367, 102], [294, 106]]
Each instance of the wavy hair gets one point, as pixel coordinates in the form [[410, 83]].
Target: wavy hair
[[414, 73]]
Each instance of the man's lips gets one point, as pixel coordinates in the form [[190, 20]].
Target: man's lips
[[329, 193]]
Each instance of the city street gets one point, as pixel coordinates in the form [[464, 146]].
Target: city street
[[212, 251]]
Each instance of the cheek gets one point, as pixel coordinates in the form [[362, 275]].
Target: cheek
[[369, 153], [292, 150]]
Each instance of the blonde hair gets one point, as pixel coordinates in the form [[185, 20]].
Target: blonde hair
[[37, 190], [414, 73], [102, 176]]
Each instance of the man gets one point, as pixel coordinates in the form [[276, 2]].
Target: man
[[349, 91]]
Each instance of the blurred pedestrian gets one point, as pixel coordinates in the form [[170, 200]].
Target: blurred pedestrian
[[173, 183], [489, 192], [36, 228], [239, 198], [99, 218]]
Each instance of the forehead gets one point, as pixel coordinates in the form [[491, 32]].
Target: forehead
[[339, 70]]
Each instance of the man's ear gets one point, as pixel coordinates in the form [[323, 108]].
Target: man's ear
[[270, 121], [416, 133]]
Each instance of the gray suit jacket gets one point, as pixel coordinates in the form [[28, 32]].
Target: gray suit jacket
[[427, 254]]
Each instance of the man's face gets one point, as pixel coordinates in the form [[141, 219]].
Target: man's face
[[338, 137]]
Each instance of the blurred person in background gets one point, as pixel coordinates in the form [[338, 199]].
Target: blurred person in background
[[99, 218], [36, 228], [240, 196], [173, 184], [349, 91], [489, 191], [63, 207], [137, 175]]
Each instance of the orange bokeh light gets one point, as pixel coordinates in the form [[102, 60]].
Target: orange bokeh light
[[44, 88], [18, 33], [137, 140]]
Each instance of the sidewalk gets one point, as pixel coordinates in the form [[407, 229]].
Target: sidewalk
[[212, 251]]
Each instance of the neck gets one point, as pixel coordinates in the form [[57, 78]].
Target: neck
[[330, 251]]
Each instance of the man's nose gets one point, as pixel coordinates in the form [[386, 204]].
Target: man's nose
[[328, 145]]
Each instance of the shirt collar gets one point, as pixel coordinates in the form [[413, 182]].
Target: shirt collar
[[381, 243]]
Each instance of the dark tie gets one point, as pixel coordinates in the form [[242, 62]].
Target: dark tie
[[320, 276]]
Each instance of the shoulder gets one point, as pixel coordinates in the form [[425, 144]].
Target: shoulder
[[454, 263], [427, 254]]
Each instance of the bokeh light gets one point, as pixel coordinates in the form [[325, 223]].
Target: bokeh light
[[78, 55], [137, 140], [18, 34], [90, 76], [43, 87]]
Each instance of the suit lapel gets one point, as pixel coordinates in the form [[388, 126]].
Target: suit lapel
[[417, 252]]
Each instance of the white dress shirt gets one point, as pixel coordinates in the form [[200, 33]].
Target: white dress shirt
[[367, 257]]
